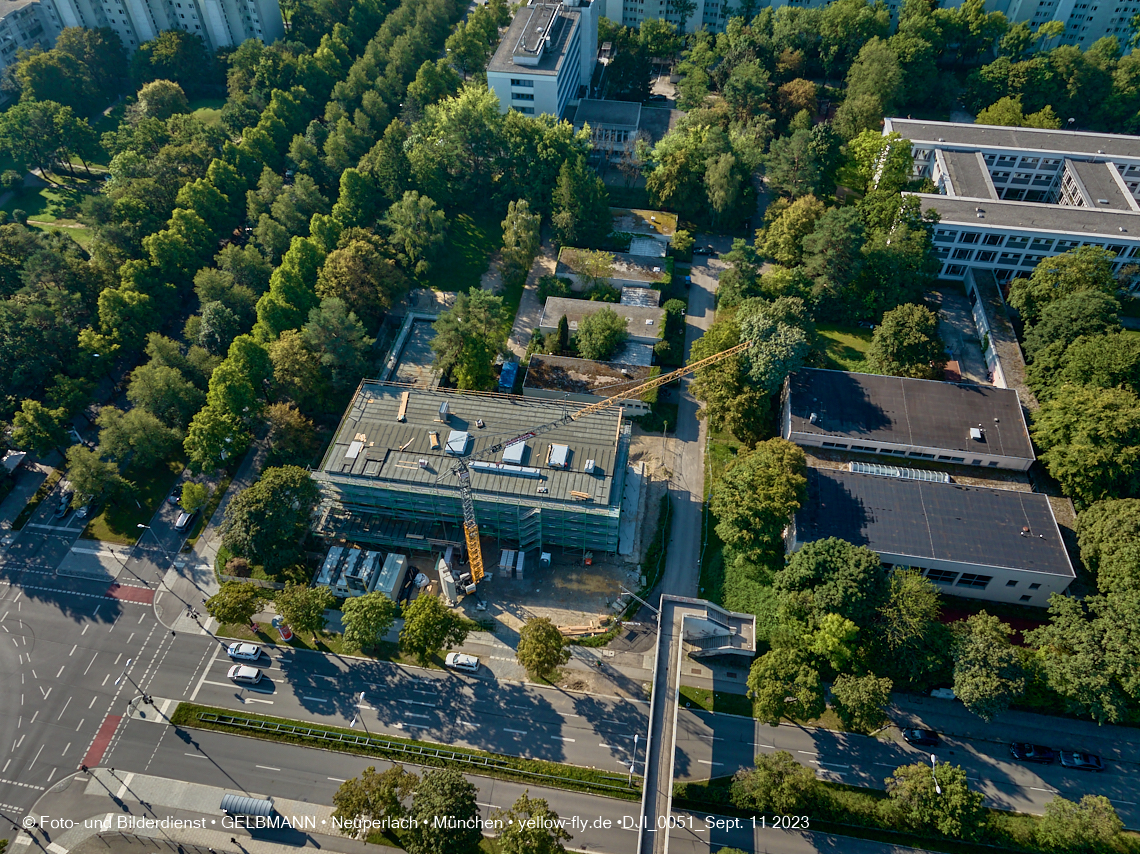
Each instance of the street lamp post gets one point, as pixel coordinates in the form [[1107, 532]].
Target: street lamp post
[[933, 764]]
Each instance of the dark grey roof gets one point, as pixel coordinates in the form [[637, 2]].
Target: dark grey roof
[[642, 321], [1059, 142], [564, 21], [372, 447], [582, 376], [968, 174], [901, 411], [600, 113], [940, 521], [1034, 216], [1101, 188]]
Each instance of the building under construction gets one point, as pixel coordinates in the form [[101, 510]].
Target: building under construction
[[387, 478]]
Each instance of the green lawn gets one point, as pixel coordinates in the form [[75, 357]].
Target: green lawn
[[119, 520], [845, 347], [471, 241], [208, 110], [45, 204]]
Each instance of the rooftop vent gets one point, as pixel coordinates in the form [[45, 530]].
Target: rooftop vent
[[813, 419], [1100, 151], [979, 210], [981, 216], [653, 219], [1122, 228], [1102, 201], [976, 434], [444, 412]]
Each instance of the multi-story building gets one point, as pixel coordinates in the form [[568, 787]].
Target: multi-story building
[[387, 477], [220, 23], [1011, 197], [1085, 22], [544, 61], [26, 24], [711, 15]]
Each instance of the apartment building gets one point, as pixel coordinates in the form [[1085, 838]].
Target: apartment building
[[26, 24]]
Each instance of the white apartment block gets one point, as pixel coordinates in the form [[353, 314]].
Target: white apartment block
[[1010, 197], [546, 57], [1085, 22], [711, 15], [26, 24], [220, 23]]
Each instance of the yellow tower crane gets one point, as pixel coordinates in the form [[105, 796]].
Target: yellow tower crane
[[471, 525]]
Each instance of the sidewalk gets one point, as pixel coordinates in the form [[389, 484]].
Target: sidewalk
[[28, 480], [530, 309]]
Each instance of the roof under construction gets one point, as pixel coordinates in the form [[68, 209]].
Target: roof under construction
[[397, 437]]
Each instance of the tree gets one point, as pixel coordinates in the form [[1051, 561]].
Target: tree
[[906, 344], [581, 206], [563, 336], [338, 338], [194, 496], [218, 327], [443, 792], [836, 577], [541, 649], [792, 167], [161, 99], [137, 436], [1063, 321], [39, 429], [1007, 111], [600, 335], [303, 607], [267, 521], [1087, 826], [235, 603], [782, 683], [907, 628], [367, 619], [876, 74], [91, 477], [292, 437], [728, 400], [746, 90], [832, 639], [469, 336], [915, 802], [371, 798], [429, 627], [988, 675], [777, 784], [1091, 439], [781, 332], [594, 265], [530, 826], [521, 240], [1108, 532], [164, 391], [417, 228], [297, 370], [861, 701], [756, 496], [783, 238], [175, 55], [1086, 268]]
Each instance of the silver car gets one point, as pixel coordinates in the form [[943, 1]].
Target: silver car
[[244, 674], [244, 651]]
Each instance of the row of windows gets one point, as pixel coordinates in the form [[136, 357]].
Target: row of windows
[[526, 84], [1036, 244], [869, 449], [521, 96]]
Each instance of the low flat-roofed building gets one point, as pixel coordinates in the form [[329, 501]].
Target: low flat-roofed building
[[643, 323], [640, 296], [387, 478], [959, 423], [628, 270], [657, 224], [994, 544], [584, 381]]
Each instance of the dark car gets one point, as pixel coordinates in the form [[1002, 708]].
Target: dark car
[[701, 250], [656, 99], [64, 506], [921, 737], [1081, 761], [1025, 752]]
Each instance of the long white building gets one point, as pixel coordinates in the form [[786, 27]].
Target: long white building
[[26, 24]]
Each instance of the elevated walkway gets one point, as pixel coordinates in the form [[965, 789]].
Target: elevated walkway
[[685, 627]]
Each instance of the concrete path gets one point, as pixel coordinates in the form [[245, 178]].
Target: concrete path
[[956, 326], [530, 309], [28, 480]]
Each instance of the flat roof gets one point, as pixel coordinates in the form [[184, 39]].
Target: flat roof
[[1100, 187], [935, 521], [601, 113], [635, 221], [640, 321], [630, 268], [582, 376], [1111, 225], [372, 447], [631, 295], [1059, 142], [903, 411], [968, 174], [562, 26]]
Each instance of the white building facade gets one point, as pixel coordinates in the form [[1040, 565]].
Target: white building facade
[[26, 24]]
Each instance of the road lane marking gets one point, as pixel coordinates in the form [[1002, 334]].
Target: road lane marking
[[73, 650], [142, 617], [267, 767], [256, 700], [78, 728], [131, 638], [707, 762], [93, 699], [38, 752], [105, 678], [317, 699], [205, 671], [516, 731], [65, 705], [66, 749], [808, 752], [832, 764], [492, 806], [60, 671], [415, 702], [887, 764], [85, 628], [195, 755], [48, 691], [562, 738], [425, 717], [338, 780]]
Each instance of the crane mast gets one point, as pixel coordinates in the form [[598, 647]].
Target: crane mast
[[471, 525]]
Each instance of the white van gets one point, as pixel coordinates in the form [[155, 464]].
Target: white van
[[462, 661]]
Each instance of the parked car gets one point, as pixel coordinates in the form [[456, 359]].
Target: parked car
[[84, 511], [185, 520], [244, 651], [921, 737], [701, 250], [64, 505], [656, 99], [244, 674], [1025, 752], [1081, 761], [462, 661]]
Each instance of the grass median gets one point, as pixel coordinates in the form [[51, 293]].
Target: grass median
[[408, 751]]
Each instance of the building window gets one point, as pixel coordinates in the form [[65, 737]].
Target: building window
[[920, 454], [993, 240], [526, 84], [1035, 586], [1011, 584], [986, 257], [953, 459], [944, 236], [834, 445], [521, 96], [970, 579], [941, 576], [955, 270], [1026, 598], [969, 237], [526, 111]]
